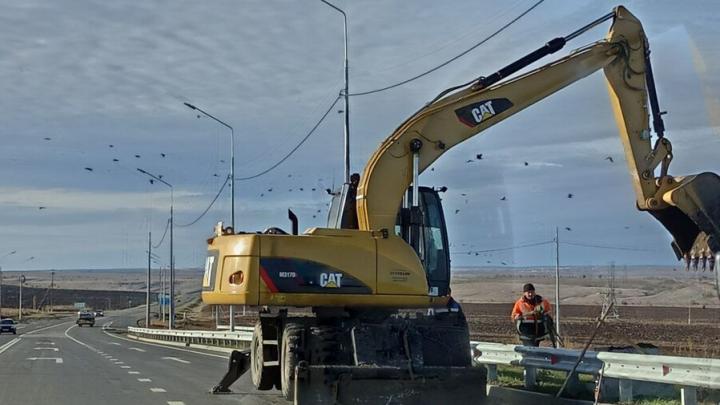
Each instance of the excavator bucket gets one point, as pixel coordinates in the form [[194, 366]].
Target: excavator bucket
[[693, 218]]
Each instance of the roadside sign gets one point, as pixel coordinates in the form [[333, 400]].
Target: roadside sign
[[79, 305]]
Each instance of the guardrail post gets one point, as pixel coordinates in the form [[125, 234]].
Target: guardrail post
[[626, 391], [688, 396], [530, 374], [491, 372]]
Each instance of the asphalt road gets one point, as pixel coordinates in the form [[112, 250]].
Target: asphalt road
[[56, 362]]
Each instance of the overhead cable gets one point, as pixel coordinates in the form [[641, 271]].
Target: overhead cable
[[302, 141], [501, 29], [167, 225], [209, 206]]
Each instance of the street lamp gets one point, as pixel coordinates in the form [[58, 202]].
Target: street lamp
[[22, 281], [232, 160], [171, 324], [346, 93]]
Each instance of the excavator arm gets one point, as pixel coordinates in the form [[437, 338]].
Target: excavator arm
[[688, 207]]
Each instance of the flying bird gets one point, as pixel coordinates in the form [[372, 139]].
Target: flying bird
[[609, 158], [570, 195], [216, 175], [89, 169], [111, 146], [152, 181], [503, 198], [137, 156], [41, 208], [116, 160], [327, 190], [262, 195], [526, 163], [432, 169], [47, 139], [162, 154], [456, 211], [469, 161], [478, 156], [270, 190], [313, 189], [301, 189], [567, 228]]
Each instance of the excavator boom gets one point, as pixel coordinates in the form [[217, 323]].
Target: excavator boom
[[686, 207]]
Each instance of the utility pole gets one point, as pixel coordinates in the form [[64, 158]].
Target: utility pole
[[22, 281], [52, 285], [147, 291], [346, 93], [557, 280], [0, 292]]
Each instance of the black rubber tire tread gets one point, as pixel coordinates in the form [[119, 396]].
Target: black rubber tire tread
[[289, 358], [263, 378]]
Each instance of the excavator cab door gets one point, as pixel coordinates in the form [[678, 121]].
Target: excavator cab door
[[426, 224]]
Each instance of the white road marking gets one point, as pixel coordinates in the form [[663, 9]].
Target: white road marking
[[133, 372], [8, 344], [165, 346], [157, 389], [114, 343], [124, 366], [137, 349], [119, 362], [77, 341], [58, 360], [55, 349], [176, 359], [112, 359], [47, 327], [176, 403], [144, 380]]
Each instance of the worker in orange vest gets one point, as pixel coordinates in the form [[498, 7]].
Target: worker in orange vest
[[529, 311]]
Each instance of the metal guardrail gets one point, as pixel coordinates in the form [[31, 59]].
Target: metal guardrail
[[689, 373], [233, 340], [686, 372]]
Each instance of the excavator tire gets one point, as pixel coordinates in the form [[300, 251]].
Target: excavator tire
[[263, 376], [289, 358]]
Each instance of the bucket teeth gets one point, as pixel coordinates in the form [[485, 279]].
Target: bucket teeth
[[700, 256]]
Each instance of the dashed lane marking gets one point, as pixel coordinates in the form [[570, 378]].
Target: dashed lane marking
[[55, 349], [176, 403], [133, 372], [124, 366], [58, 360], [114, 343], [157, 389], [176, 359], [137, 349], [144, 380], [119, 362]]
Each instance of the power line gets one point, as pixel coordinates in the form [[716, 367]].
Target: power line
[[302, 141], [167, 226], [588, 245], [209, 206], [501, 29], [527, 245]]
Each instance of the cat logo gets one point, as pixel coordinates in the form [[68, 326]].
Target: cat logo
[[474, 114], [331, 280]]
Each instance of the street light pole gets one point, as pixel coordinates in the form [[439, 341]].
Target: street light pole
[[0, 292], [346, 94], [147, 291], [232, 159], [22, 281], [171, 324]]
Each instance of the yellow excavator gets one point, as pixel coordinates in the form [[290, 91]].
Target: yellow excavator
[[385, 251]]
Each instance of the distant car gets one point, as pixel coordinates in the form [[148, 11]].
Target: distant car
[[99, 313], [85, 318], [8, 325]]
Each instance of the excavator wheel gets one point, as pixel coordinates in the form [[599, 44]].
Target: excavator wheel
[[289, 358], [263, 376]]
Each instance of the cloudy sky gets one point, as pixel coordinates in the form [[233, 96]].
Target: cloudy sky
[[85, 82]]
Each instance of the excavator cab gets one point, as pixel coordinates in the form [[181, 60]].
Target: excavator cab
[[424, 229]]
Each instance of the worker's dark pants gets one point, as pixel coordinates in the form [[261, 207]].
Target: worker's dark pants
[[529, 331]]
